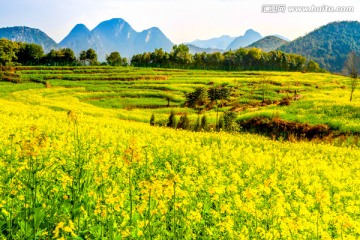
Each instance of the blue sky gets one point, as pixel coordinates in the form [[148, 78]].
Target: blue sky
[[180, 20]]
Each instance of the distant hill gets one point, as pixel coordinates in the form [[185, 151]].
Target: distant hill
[[281, 37], [78, 39], [268, 43], [214, 43], [195, 49], [249, 37], [115, 35], [328, 45], [28, 35]]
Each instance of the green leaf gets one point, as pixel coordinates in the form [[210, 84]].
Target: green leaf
[[29, 229], [38, 217], [3, 225]]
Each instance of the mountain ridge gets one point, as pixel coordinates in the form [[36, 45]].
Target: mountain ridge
[[117, 35], [328, 45], [214, 43], [28, 35], [268, 43], [248, 38]]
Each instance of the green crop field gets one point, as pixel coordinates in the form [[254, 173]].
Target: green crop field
[[79, 159], [136, 93]]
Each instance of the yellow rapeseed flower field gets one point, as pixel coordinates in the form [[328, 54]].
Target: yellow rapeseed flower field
[[73, 170], [86, 174]]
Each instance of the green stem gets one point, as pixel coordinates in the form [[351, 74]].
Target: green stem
[[174, 210], [130, 190], [149, 214], [130, 193]]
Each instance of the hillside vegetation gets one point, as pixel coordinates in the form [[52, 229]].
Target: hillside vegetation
[[328, 45], [268, 43]]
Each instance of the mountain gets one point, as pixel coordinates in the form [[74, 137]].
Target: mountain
[[281, 37], [28, 35], [268, 43], [215, 43], [152, 38], [328, 45], [250, 37], [115, 35], [195, 49], [78, 39]]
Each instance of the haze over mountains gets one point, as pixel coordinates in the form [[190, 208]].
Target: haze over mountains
[[226, 42], [118, 35], [327, 45], [243, 41], [115, 35], [216, 43]]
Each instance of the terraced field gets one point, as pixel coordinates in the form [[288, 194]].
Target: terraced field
[[74, 167], [137, 93]]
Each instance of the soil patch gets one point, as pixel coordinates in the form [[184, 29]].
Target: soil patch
[[277, 128]]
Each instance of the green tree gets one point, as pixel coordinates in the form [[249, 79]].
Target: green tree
[[30, 54], [115, 59], [204, 123], [229, 121], [61, 57], [220, 124], [184, 122], [152, 120], [8, 50], [215, 60], [221, 92], [159, 58], [196, 98], [82, 57], [312, 66], [229, 60], [199, 60], [197, 126], [68, 56], [91, 56], [171, 120], [180, 55]]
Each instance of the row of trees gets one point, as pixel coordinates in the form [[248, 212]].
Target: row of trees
[[227, 122], [29, 54], [241, 59], [15, 53], [179, 57]]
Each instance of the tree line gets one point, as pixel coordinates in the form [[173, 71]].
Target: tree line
[[29, 54], [17, 53], [240, 59]]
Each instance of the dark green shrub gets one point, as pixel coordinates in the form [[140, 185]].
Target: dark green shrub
[[204, 124], [229, 121], [171, 120], [220, 124], [152, 120], [184, 122], [197, 126], [221, 92], [196, 98]]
